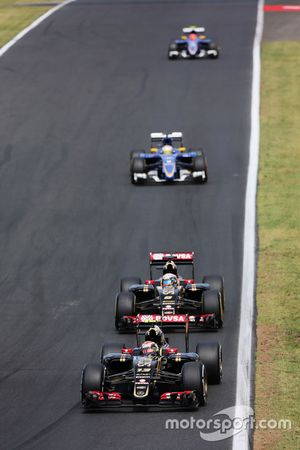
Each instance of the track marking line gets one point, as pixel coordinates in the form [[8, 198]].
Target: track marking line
[[33, 25], [241, 441]]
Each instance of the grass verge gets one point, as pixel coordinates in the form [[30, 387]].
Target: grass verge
[[15, 16], [278, 289]]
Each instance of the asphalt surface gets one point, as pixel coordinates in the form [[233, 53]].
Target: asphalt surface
[[77, 94]]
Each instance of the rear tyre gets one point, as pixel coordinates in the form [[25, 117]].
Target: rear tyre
[[200, 165], [136, 166], [212, 304], [127, 282], [92, 379], [111, 348], [125, 306], [217, 283], [194, 378], [210, 354]]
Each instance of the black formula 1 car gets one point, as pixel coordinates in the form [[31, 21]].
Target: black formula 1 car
[[163, 378], [149, 302], [193, 44], [168, 161]]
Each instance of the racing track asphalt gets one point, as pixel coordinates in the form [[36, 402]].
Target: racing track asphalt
[[77, 94]]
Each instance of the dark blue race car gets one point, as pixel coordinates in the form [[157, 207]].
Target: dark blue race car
[[168, 161], [193, 44]]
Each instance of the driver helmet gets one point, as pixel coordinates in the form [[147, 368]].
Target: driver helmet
[[170, 267], [168, 283], [167, 149], [193, 35], [150, 349], [156, 335]]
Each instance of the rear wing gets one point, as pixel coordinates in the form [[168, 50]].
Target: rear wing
[[159, 137], [191, 29], [159, 259], [162, 257]]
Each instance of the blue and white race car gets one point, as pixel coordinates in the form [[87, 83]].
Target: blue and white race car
[[193, 44], [168, 161]]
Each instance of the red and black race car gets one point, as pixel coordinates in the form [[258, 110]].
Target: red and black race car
[[170, 294], [150, 376]]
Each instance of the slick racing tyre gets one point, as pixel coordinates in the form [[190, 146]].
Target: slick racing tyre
[[172, 48], [127, 282], [216, 282], [111, 348], [199, 165], [214, 46], [136, 154], [125, 306], [212, 304], [210, 354], [92, 379], [136, 166], [194, 378]]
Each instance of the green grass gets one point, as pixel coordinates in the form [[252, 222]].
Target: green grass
[[278, 288], [14, 17]]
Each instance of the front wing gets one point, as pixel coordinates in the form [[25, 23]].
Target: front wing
[[184, 175], [185, 55], [114, 400]]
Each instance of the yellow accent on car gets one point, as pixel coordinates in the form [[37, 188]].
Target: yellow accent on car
[[182, 149], [178, 357], [153, 149]]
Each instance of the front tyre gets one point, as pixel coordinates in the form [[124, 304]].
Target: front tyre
[[194, 378], [125, 306], [216, 51], [200, 169], [92, 379], [173, 51], [137, 167], [212, 304]]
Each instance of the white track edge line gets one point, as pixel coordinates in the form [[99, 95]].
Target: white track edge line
[[241, 441], [33, 25]]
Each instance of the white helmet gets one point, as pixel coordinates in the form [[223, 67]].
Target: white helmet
[[168, 282]]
